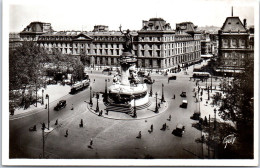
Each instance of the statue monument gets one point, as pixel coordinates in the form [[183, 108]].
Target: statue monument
[[127, 90]]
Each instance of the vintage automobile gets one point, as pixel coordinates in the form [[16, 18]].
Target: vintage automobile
[[179, 130], [183, 94], [172, 78], [184, 104], [196, 115], [148, 80], [60, 105], [33, 128]]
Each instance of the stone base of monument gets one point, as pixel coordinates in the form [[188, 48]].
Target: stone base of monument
[[124, 96]]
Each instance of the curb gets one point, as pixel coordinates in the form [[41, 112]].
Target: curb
[[34, 111], [141, 118]]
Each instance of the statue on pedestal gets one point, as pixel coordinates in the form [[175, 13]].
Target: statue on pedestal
[[128, 45]]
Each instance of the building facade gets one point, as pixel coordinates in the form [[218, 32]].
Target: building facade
[[156, 45], [234, 45]]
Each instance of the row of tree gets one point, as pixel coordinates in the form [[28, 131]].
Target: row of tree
[[28, 64], [237, 105]]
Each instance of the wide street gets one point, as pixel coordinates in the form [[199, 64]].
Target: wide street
[[112, 138]]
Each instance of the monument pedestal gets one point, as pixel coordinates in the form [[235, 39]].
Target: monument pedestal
[[124, 92]]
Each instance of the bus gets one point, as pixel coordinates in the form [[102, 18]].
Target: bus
[[201, 75]]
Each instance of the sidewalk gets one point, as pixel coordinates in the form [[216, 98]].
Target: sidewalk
[[55, 92]]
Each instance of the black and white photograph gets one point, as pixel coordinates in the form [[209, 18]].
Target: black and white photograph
[[137, 83]]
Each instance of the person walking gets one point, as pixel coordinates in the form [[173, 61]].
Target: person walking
[[170, 117], [67, 133], [91, 142], [56, 123], [139, 135], [173, 96], [151, 128]]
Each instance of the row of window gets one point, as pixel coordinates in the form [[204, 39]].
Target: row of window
[[149, 62], [233, 43]]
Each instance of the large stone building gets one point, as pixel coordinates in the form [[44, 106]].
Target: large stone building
[[156, 45], [235, 45]]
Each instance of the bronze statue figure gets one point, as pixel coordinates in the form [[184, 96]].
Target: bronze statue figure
[[128, 45]]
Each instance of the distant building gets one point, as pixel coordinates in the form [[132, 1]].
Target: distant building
[[209, 45], [14, 40], [235, 45], [156, 45]]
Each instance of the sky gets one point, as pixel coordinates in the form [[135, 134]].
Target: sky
[[84, 14]]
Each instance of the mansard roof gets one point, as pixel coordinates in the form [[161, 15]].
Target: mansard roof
[[233, 24]]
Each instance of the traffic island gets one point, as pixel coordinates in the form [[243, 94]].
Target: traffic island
[[148, 112]]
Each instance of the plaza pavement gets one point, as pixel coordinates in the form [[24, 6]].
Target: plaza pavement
[[114, 138]]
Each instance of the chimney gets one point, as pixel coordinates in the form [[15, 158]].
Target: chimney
[[245, 23]]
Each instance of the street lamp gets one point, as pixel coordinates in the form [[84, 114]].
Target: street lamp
[[43, 127], [48, 97], [151, 91], [156, 106], [134, 107], [90, 101], [162, 100], [215, 110], [105, 90], [42, 97], [97, 108]]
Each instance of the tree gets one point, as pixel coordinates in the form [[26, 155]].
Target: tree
[[237, 105], [26, 64]]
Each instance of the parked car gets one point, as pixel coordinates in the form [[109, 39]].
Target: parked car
[[179, 130], [172, 78], [148, 80], [196, 115], [184, 104], [60, 105], [183, 94]]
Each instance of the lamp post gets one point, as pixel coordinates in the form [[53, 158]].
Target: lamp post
[[162, 100], [43, 127], [156, 106], [151, 91], [90, 101], [97, 108], [105, 96], [48, 97], [42, 97], [215, 118], [134, 108]]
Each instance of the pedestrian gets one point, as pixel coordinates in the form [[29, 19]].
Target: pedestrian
[[159, 105], [94, 81], [56, 123], [91, 142], [170, 117], [46, 106], [139, 135], [201, 93], [106, 112], [67, 133], [72, 108], [152, 128], [174, 96], [200, 98], [100, 113], [81, 123]]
